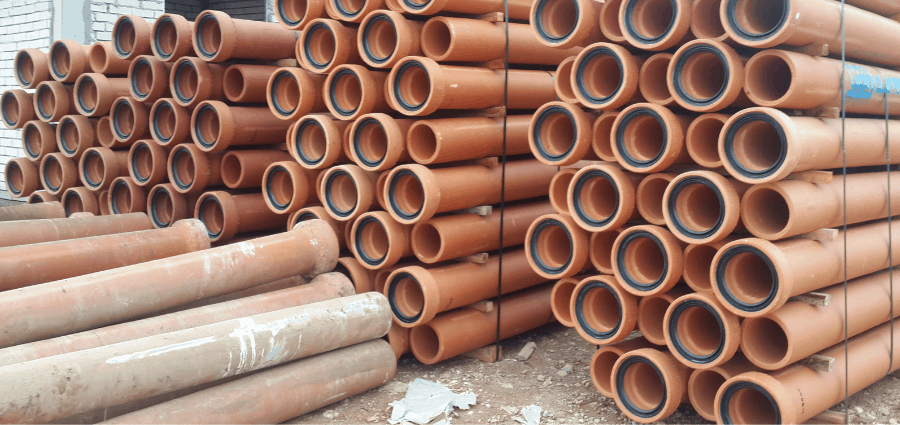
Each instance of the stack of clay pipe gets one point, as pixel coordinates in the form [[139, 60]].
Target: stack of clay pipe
[[698, 237]]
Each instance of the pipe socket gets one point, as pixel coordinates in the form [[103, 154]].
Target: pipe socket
[[385, 37], [149, 78], [68, 60], [653, 82], [218, 37], [556, 247], [648, 260], [295, 14], [131, 37], [16, 108], [649, 138], [287, 186], [172, 37], [602, 312], [699, 332], [21, 177], [57, 173], [602, 197], [75, 134], [215, 126], [126, 197], [170, 123], [165, 206], [79, 200], [225, 215], [655, 24], [38, 140], [565, 24], [560, 134], [147, 163], [246, 168], [347, 191], [99, 166], [295, 92], [703, 206], [129, 122], [319, 213], [605, 358], [707, 76], [325, 44], [54, 100], [352, 10], [40, 196], [193, 81], [31, 67], [192, 170], [95, 94], [378, 142], [318, 141], [379, 241], [649, 384], [605, 76], [353, 91]]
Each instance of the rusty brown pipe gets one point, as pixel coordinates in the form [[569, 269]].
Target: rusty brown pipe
[[435, 141], [149, 78], [419, 86], [131, 37], [172, 37], [649, 138], [456, 332], [191, 170], [602, 197], [361, 277], [565, 24], [21, 177], [295, 92], [319, 213], [385, 37], [38, 140], [707, 24], [648, 197], [560, 298], [698, 260], [98, 167], [707, 76], [317, 141], [605, 76], [193, 80], [129, 122], [170, 123], [68, 60], [75, 134], [379, 241], [603, 313], [95, 93], [705, 383], [347, 191], [649, 384], [652, 311], [287, 186], [226, 215], [103, 60], [165, 205], [655, 24], [79, 200], [218, 37], [378, 142], [518, 9], [602, 131], [58, 173], [247, 83], [648, 260], [295, 14], [699, 332], [59, 229], [605, 358], [42, 210], [215, 126], [702, 139], [40, 196], [147, 163], [125, 196], [703, 206], [353, 90], [556, 247], [600, 247], [652, 80], [17, 107], [563, 82], [561, 134], [245, 169], [54, 100], [754, 277], [31, 67], [325, 44]]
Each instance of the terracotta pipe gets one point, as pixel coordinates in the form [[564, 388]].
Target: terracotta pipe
[[125, 196], [245, 169], [649, 138], [365, 317], [42, 210], [104, 131], [556, 246], [563, 82], [149, 78], [58, 173], [172, 37], [655, 24], [352, 91], [707, 76], [170, 123], [398, 338], [560, 134], [75, 134], [38, 140], [103, 200], [798, 330], [79, 200], [456, 332], [352, 10], [699, 332], [652, 311], [559, 187], [218, 37], [702, 139], [287, 186], [652, 80], [649, 384], [605, 76], [192, 170], [380, 182], [703, 206], [129, 122], [705, 383], [560, 296], [95, 93], [881, 7], [68, 60], [419, 86], [753, 277], [386, 37], [17, 108], [755, 397], [193, 80], [325, 44], [31, 67], [319, 213], [346, 191], [564, 24], [98, 167], [295, 92], [147, 163], [648, 197], [609, 23], [247, 83], [518, 9], [40, 196], [216, 126], [295, 14], [379, 241], [698, 260], [602, 197], [54, 100], [602, 131], [603, 312], [226, 215], [378, 142], [648, 260], [773, 209], [416, 193], [51, 230], [600, 250], [351, 371], [131, 37], [103, 60], [21, 177], [605, 358], [361, 277], [706, 22], [435, 141], [165, 205]]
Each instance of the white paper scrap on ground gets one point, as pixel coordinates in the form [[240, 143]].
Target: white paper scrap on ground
[[532, 415], [426, 400]]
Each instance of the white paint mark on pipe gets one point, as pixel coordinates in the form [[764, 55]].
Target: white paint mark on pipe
[[160, 350]]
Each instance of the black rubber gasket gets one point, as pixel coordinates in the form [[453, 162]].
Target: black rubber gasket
[[579, 310], [176, 179], [363, 255], [679, 67], [176, 86], [633, 32], [730, 134], [115, 122], [278, 205], [672, 206], [356, 141], [116, 42], [392, 188], [306, 52], [87, 176], [134, 87], [203, 203], [678, 310], [620, 137], [157, 44], [19, 192], [154, 214], [366, 49], [112, 196], [416, 6], [46, 177], [298, 146], [582, 66], [53, 67], [64, 145], [623, 396], [282, 14], [392, 288], [40, 106], [274, 96], [344, 12], [197, 37], [164, 104], [623, 270], [21, 77], [65, 202], [538, 23], [27, 146], [78, 94], [726, 293], [731, 15], [6, 117], [333, 86], [536, 134], [399, 76], [535, 255], [730, 392], [134, 166], [330, 201], [576, 200], [199, 134]]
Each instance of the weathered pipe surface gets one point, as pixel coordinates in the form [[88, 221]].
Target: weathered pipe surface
[[326, 44], [602, 197], [703, 206], [191, 170], [226, 214], [75, 134], [247, 83], [86, 302], [147, 163], [17, 108], [172, 37], [605, 358], [705, 383], [215, 126], [95, 93], [58, 173], [193, 80], [435, 141], [379, 241], [79, 199], [564, 24], [605, 76], [218, 37], [295, 92], [379, 142], [165, 206], [655, 25], [319, 213], [38, 140], [58, 229], [163, 363], [68, 60], [295, 14], [31, 67], [603, 313], [649, 384], [281, 393], [798, 329], [131, 37], [103, 59], [386, 37], [649, 138], [561, 133], [149, 78], [754, 277], [707, 76], [22, 177], [27, 265], [246, 168], [652, 311], [699, 332], [456, 332], [556, 247], [99, 167], [170, 123], [323, 287], [352, 91], [54, 100], [648, 259], [42, 210]]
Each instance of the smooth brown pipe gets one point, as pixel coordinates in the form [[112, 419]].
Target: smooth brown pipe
[[706, 23], [649, 138], [103, 60], [68, 60], [754, 277], [798, 329], [518, 9], [602, 197], [603, 140], [652, 312], [98, 167], [17, 108], [42, 210], [95, 94], [378, 142], [648, 260], [192, 170], [881, 7], [129, 122], [58, 173], [125, 196], [609, 22], [565, 24], [226, 215], [698, 260], [456, 332], [295, 14], [398, 337], [605, 358], [347, 191], [247, 83], [416, 193], [51, 230], [353, 90], [560, 298], [38, 140], [218, 37], [21, 177], [75, 134], [605, 76], [419, 86], [79, 200], [165, 205], [361, 277], [655, 24], [295, 92], [559, 187], [603, 313], [648, 197], [600, 247], [379, 241], [147, 163], [652, 80], [705, 383], [649, 384], [215, 126], [54, 100], [435, 141], [556, 247], [245, 169], [703, 206], [31, 67], [699, 332], [386, 36], [707, 76], [172, 37], [149, 78], [40, 196], [325, 44], [561, 133], [170, 123], [702, 139], [319, 213], [318, 141], [287, 186], [131, 37], [563, 82], [193, 81]]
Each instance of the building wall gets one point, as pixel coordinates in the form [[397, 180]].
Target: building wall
[[187, 8]]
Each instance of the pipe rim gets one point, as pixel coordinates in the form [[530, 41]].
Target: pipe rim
[[45, 171], [41, 90], [79, 93], [767, 212], [283, 15], [740, 31], [357, 142], [395, 206], [298, 142], [577, 203], [273, 93], [623, 269], [417, 6], [173, 169], [157, 37], [392, 288], [67, 197], [538, 22], [678, 67], [135, 89], [270, 190], [363, 255], [628, 13], [732, 389], [154, 198], [622, 395], [672, 207], [64, 124], [27, 137], [23, 55], [332, 206], [398, 76], [207, 199], [198, 36], [732, 131], [113, 195], [198, 132], [679, 309], [5, 100], [332, 88], [627, 157], [536, 253], [307, 52], [366, 48], [114, 118], [581, 68], [538, 140], [13, 167], [54, 50], [117, 34], [88, 156], [339, 7], [176, 80], [725, 292], [139, 148], [160, 106], [579, 310]]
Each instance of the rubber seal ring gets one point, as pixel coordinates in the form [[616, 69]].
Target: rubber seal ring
[[576, 200], [392, 289], [278, 205], [623, 270], [538, 23], [330, 201], [623, 396], [733, 389], [535, 255], [731, 133], [633, 32], [84, 172], [399, 76], [372, 261], [672, 206], [356, 143], [731, 15], [725, 291], [582, 66], [679, 67], [201, 49], [676, 339], [306, 46], [539, 142], [579, 310], [392, 189], [620, 137], [333, 86], [367, 49]]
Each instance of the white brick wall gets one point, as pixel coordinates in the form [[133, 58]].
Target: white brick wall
[[256, 10], [105, 12]]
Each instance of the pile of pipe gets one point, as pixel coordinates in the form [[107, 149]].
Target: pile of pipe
[[695, 202], [108, 319]]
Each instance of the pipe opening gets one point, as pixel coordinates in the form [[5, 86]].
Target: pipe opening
[[601, 309], [651, 19], [372, 142], [422, 142], [210, 36], [559, 186], [602, 140], [61, 60], [208, 125], [749, 278], [598, 198], [606, 71], [183, 168], [650, 195], [123, 117], [73, 203], [15, 177], [652, 79], [564, 80], [557, 19], [706, 22], [88, 94], [609, 19], [645, 260], [162, 208], [10, 108], [765, 341], [125, 36], [757, 17], [651, 317], [774, 82], [409, 195], [33, 141], [643, 386], [703, 75], [121, 197], [212, 215], [164, 121], [351, 7], [320, 46], [46, 102], [698, 260], [757, 146], [751, 406], [166, 38], [98, 59], [703, 388], [187, 81], [373, 240], [280, 186], [381, 40], [286, 93], [346, 92], [602, 370], [414, 85], [35, 198], [53, 173], [427, 241], [703, 139], [562, 296], [24, 66], [557, 133], [767, 210], [343, 192], [311, 141], [232, 170], [425, 339], [437, 38], [554, 247], [69, 135], [94, 169], [698, 331], [698, 207], [233, 84], [601, 249], [142, 78], [644, 138]]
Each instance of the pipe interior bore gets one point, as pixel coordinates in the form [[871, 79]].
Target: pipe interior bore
[[644, 137], [643, 386], [212, 215], [705, 385], [125, 36], [414, 86], [703, 76], [652, 18], [209, 125], [705, 20], [602, 249], [287, 92], [697, 263], [188, 81], [70, 135], [561, 299], [24, 65], [564, 80], [749, 278], [651, 194], [557, 133], [602, 76], [281, 186], [601, 310], [183, 167], [142, 78], [121, 197], [33, 141], [74, 203], [644, 260], [757, 146], [382, 38], [776, 79], [437, 38], [758, 17], [293, 10], [104, 132], [698, 207], [210, 36], [554, 247], [232, 170], [352, 6], [61, 60], [650, 319], [750, 406], [344, 194], [426, 341], [53, 173], [321, 45], [312, 140], [422, 142], [653, 79], [602, 370], [559, 186], [46, 101], [765, 340], [94, 168], [408, 297], [768, 210], [10, 106], [703, 140], [161, 207], [89, 93], [699, 331], [374, 240], [559, 17], [347, 92], [166, 37], [409, 195], [97, 56], [373, 142], [233, 84], [15, 177], [599, 198], [123, 114], [602, 135], [427, 240], [165, 121]]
